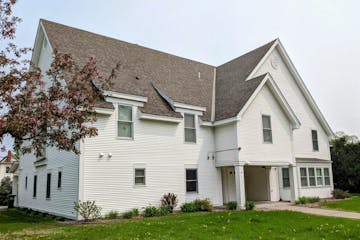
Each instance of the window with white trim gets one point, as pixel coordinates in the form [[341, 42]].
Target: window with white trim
[[26, 182], [125, 122], [312, 179], [7, 170], [319, 177], [267, 132], [315, 141], [286, 177], [191, 180], [190, 128], [59, 179], [48, 185], [303, 177], [327, 176], [139, 176]]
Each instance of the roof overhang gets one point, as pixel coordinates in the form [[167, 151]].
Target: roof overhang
[[269, 82], [152, 117], [278, 45]]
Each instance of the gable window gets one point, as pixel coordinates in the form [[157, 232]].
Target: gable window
[[125, 121], [315, 141], [267, 133], [139, 176], [312, 180], [191, 180], [59, 179], [319, 177], [26, 182], [35, 186], [7, 170], [286, 177], [303, 177], [327, 176], [48, 185], [190, 128]]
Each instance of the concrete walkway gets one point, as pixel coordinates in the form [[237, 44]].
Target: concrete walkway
[[270, 206]]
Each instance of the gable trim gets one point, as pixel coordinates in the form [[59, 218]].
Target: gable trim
[[306, 93]]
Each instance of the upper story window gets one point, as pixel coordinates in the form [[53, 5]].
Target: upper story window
[[315, 141], [125, 122], [267, 132], [190, 128], [7, 170]]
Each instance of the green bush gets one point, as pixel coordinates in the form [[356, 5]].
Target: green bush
[[304, 200], [188, 207], [131, 213], [5, 190], [197, 205], [164, 210], [112, 214], [135, 212], [249, 205], [340, 194], [232, 205], [151, 211], [88, 210]]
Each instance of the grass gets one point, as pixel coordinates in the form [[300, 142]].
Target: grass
[[351, 205], [223, 225]]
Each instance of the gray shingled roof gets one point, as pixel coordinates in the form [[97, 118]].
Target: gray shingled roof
[[143, 68]]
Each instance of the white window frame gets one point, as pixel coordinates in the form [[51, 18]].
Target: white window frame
[[320, 176], [194, 128], [144, 176], [268, 129], [118, 120], [302, 177], [282, 175], [312, 177], [328, 169], [315, 140]]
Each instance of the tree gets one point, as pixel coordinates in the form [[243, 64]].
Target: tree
[[45, 109], [5, 190], [345, 154]]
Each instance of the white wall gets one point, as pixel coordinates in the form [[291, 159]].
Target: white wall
[[3, 173], [62, 200], [160, 148], [288, 86], [250, 132], [226, 145]]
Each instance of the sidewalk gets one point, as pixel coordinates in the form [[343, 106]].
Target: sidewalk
[[271, 206]]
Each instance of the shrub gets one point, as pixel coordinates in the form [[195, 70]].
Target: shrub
[[304, 200], [88, 210], [112, 214], [188, 207], [151, 211], [232, 205], [340, 194], [164, 210], [249, 205], [5, 190], [135, 212], [170, 200], [131, 213]]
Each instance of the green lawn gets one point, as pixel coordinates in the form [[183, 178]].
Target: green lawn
[[352, 204], [224, 225]]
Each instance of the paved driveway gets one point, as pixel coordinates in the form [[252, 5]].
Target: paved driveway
[[269, 206]]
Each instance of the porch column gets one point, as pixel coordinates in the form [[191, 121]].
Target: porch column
[[294, 183], [240, 186]]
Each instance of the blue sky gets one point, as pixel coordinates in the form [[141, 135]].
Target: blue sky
[[322, 37]]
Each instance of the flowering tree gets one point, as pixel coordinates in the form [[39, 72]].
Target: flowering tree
[[44, 109]]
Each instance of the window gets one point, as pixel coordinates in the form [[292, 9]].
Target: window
[[286, 177], [303, 177], [59, 179], [190, 128], [26, 182], [327, 176], [267, 133], [48, 185], [191, 180], [312, 180], [139, 176], [125, 123], [35, 185], [319, 177], [7, 170], [315, 140]]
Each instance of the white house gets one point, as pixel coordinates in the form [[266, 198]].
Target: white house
[[5, 165], [246, 130]]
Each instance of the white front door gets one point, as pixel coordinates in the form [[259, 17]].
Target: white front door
[[229, 191]]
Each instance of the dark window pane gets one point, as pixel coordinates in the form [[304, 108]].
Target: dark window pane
[[190, 135], [125, 129], [315, 140], [189, 121], [266, 122], [139, 176], [191, 186], [125, 113], [35, 186], [286, 177], [59, 179], [191, 174], [48, 185], [267, 136], [26, 180]]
